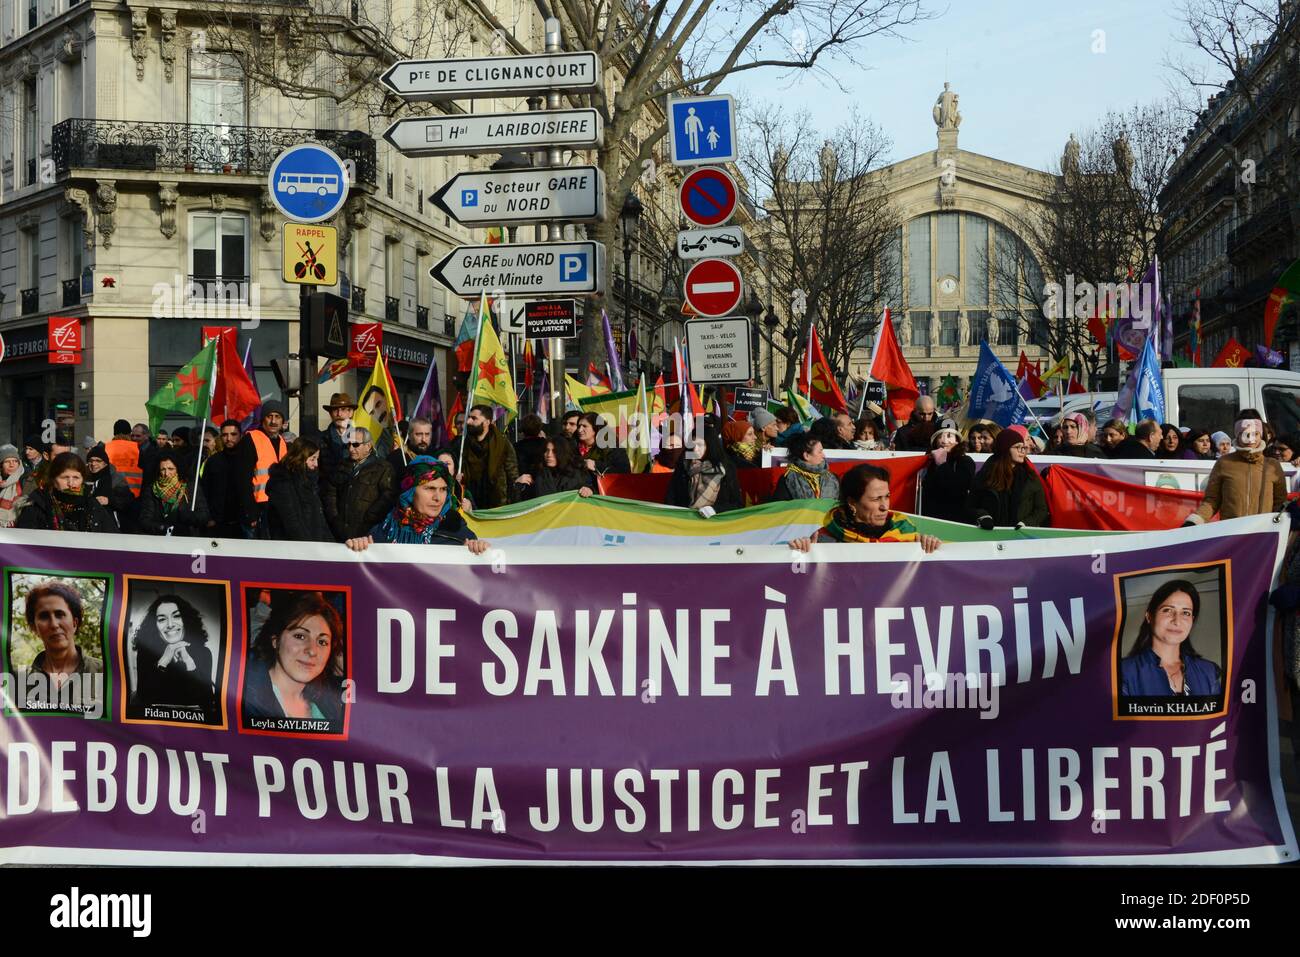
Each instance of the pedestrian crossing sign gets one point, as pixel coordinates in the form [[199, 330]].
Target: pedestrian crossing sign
[[310, 254], [702, 129]]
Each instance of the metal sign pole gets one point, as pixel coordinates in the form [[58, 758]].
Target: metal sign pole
[[554, 101]]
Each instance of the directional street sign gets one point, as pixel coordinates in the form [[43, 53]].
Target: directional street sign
[[527, 269], [310, 254], [572, 193], [702, 129], [708, 196], [495, 132], [308, 183], [713, 287], [707, 243], [718, 349], [493, 76]]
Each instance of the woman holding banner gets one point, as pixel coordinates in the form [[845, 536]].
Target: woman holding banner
[[62, 502], [948, 475], [427, 512], [863, 514], [1163, 661], [556, 472]]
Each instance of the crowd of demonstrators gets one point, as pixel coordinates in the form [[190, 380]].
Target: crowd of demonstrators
[[490, 467], [1007, 492], [807, 474], [295, 512], [980, 435], [862, 514], [707, 481], [949, 475]]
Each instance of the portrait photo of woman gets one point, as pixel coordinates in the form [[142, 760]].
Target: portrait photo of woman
[[297, 663], [1164, 660], [55, 642]]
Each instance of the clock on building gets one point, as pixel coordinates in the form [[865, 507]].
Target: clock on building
[[947, 285]]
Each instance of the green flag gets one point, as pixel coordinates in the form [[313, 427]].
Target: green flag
[[190, 390], [949, 392]]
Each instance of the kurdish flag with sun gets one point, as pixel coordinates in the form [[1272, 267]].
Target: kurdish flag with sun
[[492, 383], [190, 390]]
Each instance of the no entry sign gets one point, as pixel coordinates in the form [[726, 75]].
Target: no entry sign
[[708, 196], [713, 287]]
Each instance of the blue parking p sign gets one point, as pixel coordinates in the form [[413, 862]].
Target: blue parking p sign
[[702, 129], [573, 267], [308, 183]]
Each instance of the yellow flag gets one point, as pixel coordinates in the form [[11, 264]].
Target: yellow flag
[[625, 412], [576, 391], [1059, 371], [380, 408], [492, 381]]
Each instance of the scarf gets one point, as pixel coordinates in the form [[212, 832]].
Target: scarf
[[843, 527], [746, 450], [705, 479], [172, 494], [70, 510], [810, 474], [10, 490], [404, 524]]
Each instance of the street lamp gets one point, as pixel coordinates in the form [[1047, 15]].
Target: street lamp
[[771, 321], [754, 309], [629, 218]]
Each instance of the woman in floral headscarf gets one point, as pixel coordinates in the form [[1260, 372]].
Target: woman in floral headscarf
[[427, 512]]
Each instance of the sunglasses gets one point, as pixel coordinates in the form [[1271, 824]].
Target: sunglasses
[[357, 445]]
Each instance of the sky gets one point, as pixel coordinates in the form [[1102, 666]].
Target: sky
[[1024, 70]]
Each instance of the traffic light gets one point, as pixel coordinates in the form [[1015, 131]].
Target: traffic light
[[325, 321]]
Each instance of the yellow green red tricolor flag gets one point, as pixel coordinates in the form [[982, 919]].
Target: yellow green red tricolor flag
[[492, 383], [190, 390]]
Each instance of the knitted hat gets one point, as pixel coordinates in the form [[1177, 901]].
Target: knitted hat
[[274, 407], [733, 432], [761, 419], [37, 443], [421, 469], [121, 427], [1218, 437], [98, 452], [1012, 435], [8, 451], [946, 427]]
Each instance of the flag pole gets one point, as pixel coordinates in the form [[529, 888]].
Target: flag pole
[[198, 459], [473, 382]]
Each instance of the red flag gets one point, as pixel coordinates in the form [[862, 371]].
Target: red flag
[[457, 407], [1036, 385], [889, 366], [528, 364], [1232, 356], [1022, 368], [824, 390], [697, 407], [1076, 387], [465, 356], [1098, 329], [597, 378], [233, 395]]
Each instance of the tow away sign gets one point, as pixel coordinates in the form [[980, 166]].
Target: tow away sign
[[571, 193], [528, 269], [495, 132], [493, 76]]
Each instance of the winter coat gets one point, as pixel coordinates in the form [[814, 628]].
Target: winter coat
[[1025, 501], [1131, 448], [795, 486], [528, 454], [190, 517], [1089, 450], [355, 498], [1242, 483], [294, 512], [729, 495], [490, 469], [87, 515], [547, 481], [218, 485], [110, 484], [946, 488]]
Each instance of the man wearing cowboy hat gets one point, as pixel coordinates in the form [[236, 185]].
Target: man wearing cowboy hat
[[334, 449]]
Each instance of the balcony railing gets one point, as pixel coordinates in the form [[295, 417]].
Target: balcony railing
[[359, 299], [422, 317], [193, 147], [218, 288], [71, 292], [31, 301], [392, 309], [448, 326], [1270, 218]]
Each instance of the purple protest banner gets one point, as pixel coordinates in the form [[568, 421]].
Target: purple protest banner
[[241, 701]]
